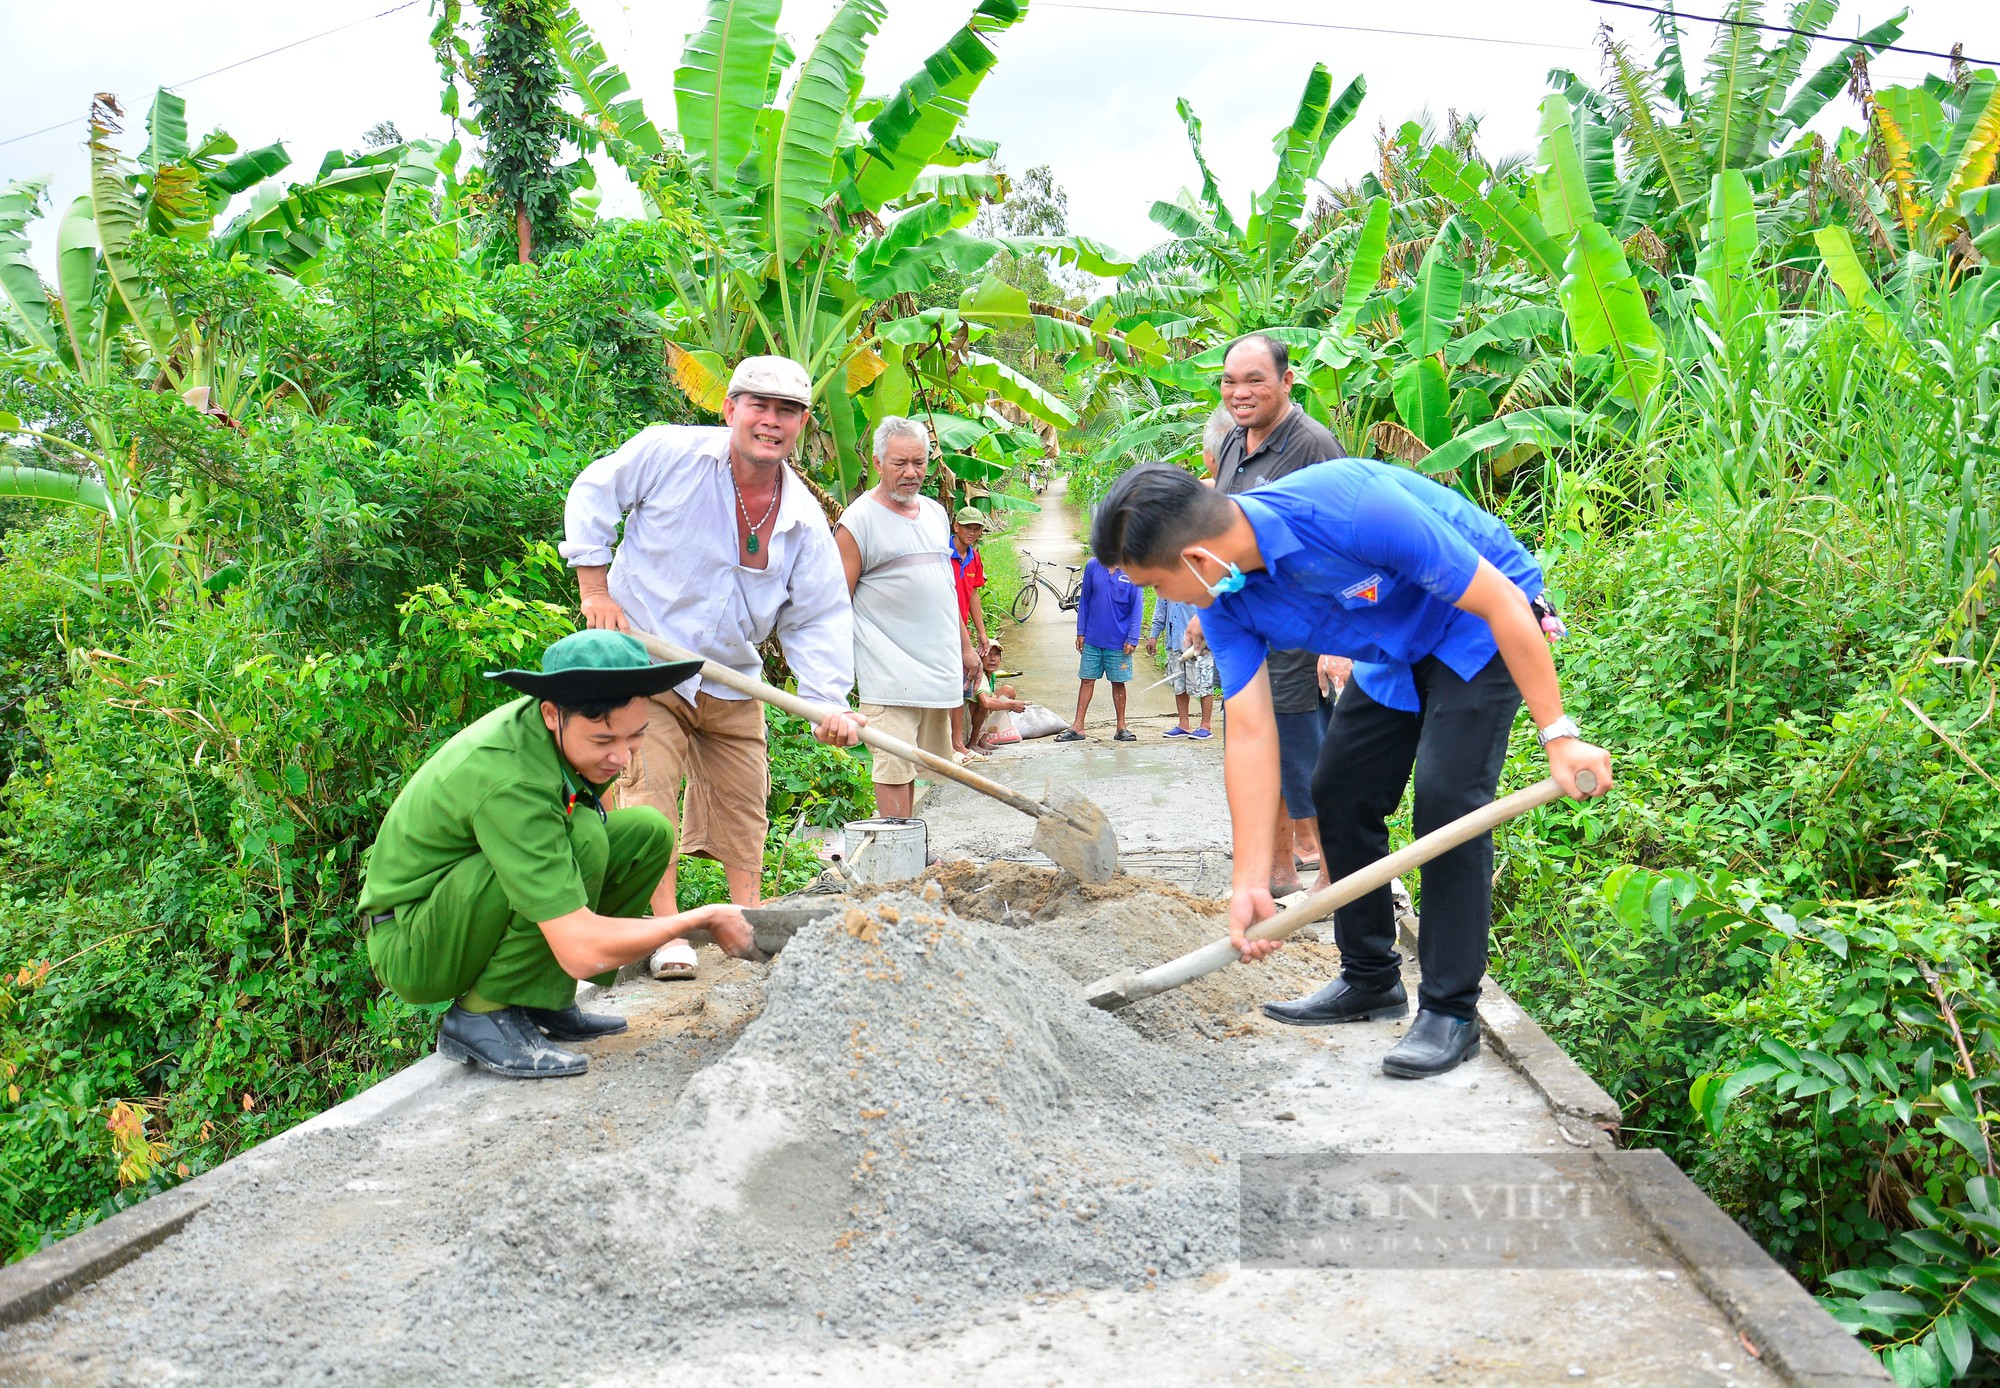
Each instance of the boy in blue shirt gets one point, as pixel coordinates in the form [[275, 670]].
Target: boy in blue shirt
[[1192, 672], [1107, 632], [1429, 596]]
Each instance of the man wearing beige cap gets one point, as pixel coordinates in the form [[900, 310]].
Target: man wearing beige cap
[[723, 547]]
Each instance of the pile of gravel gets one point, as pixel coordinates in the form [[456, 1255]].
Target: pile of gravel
[[924, 1121]]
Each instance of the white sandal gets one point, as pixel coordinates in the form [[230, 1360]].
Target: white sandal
[[674, 959]]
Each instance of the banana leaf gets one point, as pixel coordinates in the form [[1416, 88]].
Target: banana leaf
[[166, 131], [1560, 185], [1431, 311], [1729, 244], [1364, 270], [1548, 426], [1607, 313], [913, 127], [1496, 211], [802, 169], [20, 203], [47, 484], [119, 221], [719, 85], [1423, 400], [1211, 194], [611, 115]]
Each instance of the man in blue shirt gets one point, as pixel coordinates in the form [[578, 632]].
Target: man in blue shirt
[[1430, 597], [1107, 632]]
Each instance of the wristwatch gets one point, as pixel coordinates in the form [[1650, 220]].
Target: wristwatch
[[1564, 726]]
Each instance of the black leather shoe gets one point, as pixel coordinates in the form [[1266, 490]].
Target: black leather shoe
[[505, 1043], [572, 1023], [1434, 1044], [1341, 1001]]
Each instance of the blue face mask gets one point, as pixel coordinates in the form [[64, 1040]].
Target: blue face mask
[[1231, 582]]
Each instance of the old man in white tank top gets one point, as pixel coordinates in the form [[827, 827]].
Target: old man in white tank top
[[912, 658]]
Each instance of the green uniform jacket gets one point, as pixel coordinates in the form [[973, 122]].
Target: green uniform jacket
[[501, 789]]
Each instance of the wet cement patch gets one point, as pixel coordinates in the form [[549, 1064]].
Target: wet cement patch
[[917, 1107]]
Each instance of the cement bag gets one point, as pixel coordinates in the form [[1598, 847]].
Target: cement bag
[[999, 730], [1038, 721]]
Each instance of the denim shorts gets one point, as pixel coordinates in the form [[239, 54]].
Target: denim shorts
[[1299, 736], [1100, 662]]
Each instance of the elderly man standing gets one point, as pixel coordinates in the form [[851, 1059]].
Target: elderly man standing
[[912, 656], [1274, 438], [723, 547]]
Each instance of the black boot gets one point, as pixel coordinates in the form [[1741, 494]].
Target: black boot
[[1341, 1001], [572, 1023], [505, 1043], [1434, 1044]]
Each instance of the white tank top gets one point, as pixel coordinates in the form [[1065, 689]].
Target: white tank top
[[906, 636]]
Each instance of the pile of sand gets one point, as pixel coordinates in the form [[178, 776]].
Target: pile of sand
[[926, 1118]]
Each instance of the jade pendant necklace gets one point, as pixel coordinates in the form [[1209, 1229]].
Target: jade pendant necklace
[[750, 540]]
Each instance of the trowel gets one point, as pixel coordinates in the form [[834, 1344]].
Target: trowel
[[772, 927], [1068, 827]]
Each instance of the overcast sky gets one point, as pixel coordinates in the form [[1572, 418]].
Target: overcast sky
[[1089, 92]]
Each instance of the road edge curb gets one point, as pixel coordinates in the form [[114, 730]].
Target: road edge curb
[[1793, 1334], [45, 1279]]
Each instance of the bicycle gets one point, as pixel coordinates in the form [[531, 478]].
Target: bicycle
[[1035, 580]]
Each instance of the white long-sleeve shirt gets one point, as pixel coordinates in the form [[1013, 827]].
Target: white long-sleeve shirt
[[676, 571]]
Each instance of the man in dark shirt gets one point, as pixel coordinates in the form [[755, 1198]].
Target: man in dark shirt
[[1274, 438]]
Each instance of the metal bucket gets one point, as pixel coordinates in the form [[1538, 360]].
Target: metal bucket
[[885, 850]]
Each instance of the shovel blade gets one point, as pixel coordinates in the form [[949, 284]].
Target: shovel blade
[[1078, 835]]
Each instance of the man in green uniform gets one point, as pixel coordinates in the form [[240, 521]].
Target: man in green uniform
[[499, 879]]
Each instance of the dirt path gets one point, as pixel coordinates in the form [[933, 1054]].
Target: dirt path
[[1043, 648]]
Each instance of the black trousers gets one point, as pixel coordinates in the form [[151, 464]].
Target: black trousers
[[1456, 745]]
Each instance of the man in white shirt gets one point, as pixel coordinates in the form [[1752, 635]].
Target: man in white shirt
[[912, 656], [723, 547]]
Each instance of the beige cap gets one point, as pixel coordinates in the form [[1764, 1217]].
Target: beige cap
[[781, 378]]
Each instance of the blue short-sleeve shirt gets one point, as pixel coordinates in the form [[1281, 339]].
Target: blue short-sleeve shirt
[[1364, 559]]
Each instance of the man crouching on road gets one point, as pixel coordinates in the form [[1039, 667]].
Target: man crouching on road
[[499, 879], [1429, 596]]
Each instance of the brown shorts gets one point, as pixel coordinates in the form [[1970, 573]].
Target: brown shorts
[[929, 728], [714, 752]]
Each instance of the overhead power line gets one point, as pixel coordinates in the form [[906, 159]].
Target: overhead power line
[[1313, 24], [1802, 33], [240, 62]]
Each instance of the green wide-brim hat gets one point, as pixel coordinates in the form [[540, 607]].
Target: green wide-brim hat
[[592, 667]]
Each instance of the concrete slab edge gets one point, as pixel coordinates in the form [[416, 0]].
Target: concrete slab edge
[[1580, 1104], [1793, 1334], [37, 1283], [42, 1280]]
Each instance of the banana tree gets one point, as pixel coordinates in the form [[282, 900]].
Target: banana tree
[[818, 215], [1679, 132], [1219, 276], [1942, 142]]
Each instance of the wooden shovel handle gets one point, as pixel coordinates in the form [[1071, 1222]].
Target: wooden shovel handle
[[1380, 873], [815, 714]]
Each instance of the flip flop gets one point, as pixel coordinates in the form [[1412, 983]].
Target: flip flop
[[674, 959], [1068, 735], [1177, 731], [1124, 735], [1306, 864], [1201, 732]]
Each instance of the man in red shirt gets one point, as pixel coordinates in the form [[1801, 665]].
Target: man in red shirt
[[968, 528]]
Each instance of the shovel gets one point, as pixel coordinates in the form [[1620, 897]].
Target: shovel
[[1122, 989], [1069, 828]]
